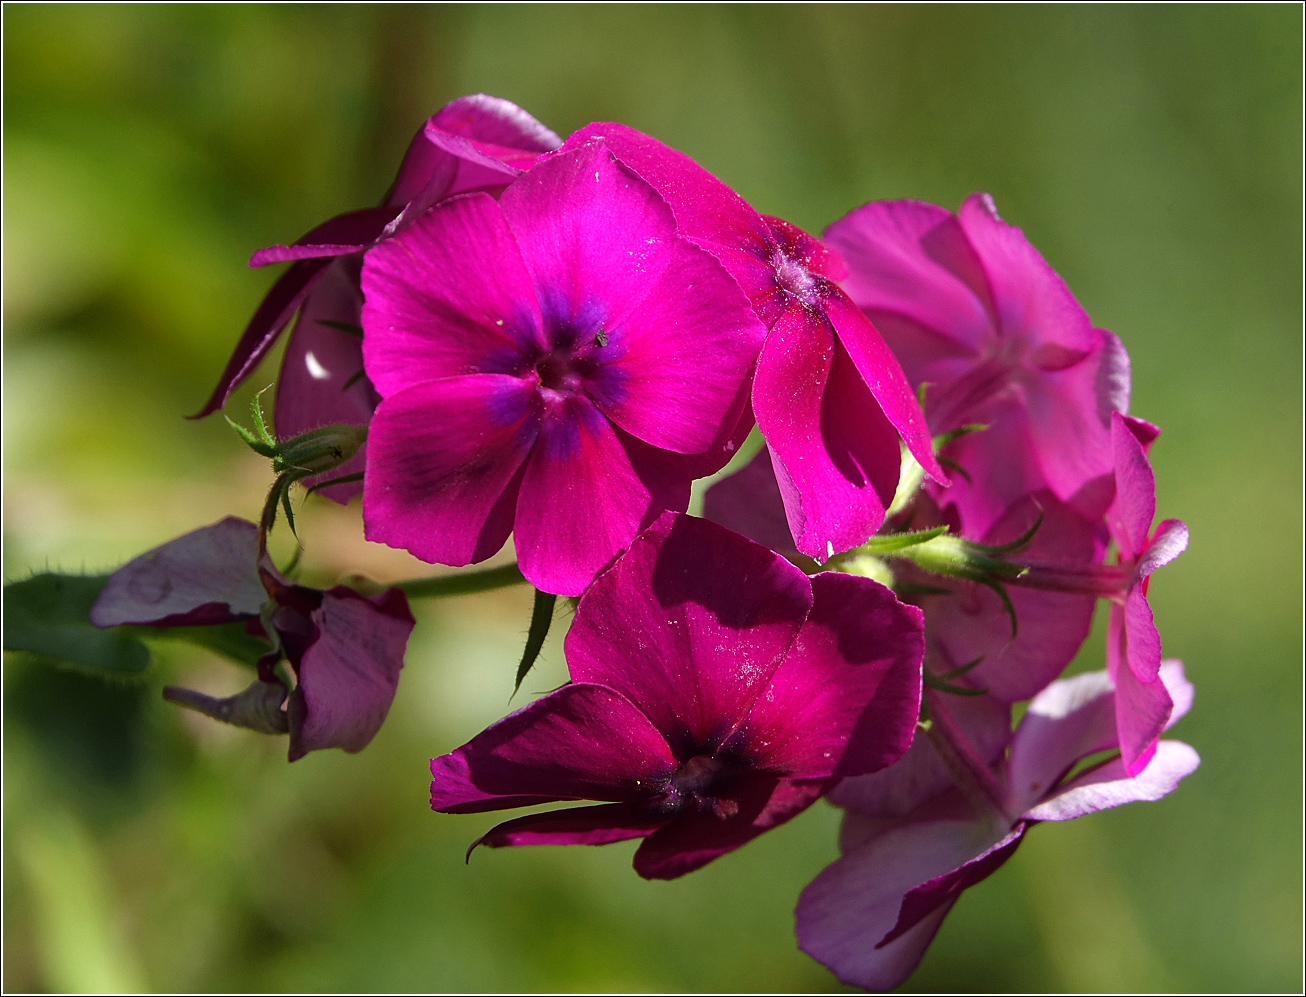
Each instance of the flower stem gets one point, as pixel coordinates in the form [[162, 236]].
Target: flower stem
[[474, 581]]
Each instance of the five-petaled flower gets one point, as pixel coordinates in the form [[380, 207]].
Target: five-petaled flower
[[550, 363], [717, 691], [472, 143]]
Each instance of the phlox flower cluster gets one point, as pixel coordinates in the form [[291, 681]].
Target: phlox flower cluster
[[550, 340]]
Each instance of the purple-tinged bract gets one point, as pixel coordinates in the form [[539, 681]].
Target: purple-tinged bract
[[472, 143], [716, 692], [551, 364], [830, 398], [912, 841]]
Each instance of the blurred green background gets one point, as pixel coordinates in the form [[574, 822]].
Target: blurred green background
[[1152, 154]]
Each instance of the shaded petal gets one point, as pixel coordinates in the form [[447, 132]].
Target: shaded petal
[[349, 674], [1108, 785], [921, 775], [1031, 300], [1069, 720], [590, 233], [847, 695], [690, 625], [1131, 514], [601, 825], [1142, 641], [204, 577], [883, 376], [348, 233], [835, 455], [682, 357], [588, 490], [448, 296], [912, 259], [274, 311], [320, 362], [494, 121], [582, 742], [854, 903], [1142, 707], [972, 622], [442, 461], [1179, 688], [694, 839], [1113, 379], [749, 503]]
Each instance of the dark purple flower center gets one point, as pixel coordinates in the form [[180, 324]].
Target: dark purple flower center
[[568, 368], [704, 784]]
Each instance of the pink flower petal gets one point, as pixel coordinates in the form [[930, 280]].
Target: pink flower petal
[[349, 674], [846, 697], [683, 356], [1032, 302], [882, 374], [1168, 542], [583, 742], [1108, 785], [204, 577], [442, 461], [697, 647], [1142, 707], [1131, 514], [911, 259], [590, 232], [835, 454], [588, 490], [446, 297]]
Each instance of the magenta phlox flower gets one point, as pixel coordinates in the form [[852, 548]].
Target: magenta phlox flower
[[1133, 648], [472, 143], [717, 691], [550, 363], [346, 649], [912, 841], [829, 397], [973, 310]]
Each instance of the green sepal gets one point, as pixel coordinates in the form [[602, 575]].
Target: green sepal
[[354, 378], [251, 441], [893, 542], [1016, 544], [961, 670], [464, 584], [349, 327], [344, 479], [541, 621], [955, 690], [956, 468]]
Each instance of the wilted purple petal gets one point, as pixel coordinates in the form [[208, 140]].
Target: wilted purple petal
[[601, 825], [349, 674], [583, 742], [696, 655], [442, 461], [204, 577]]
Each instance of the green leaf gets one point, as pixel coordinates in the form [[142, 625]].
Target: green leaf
[[50, 614], [231, 640], [541, 620]]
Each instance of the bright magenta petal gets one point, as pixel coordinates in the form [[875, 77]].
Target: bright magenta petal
[[690, 625], [588, 490], [446, 297], [442, 460], [583, 742], [1142, 707], [835, 454], [590, 232]]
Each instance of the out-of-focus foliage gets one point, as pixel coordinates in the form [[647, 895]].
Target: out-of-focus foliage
[[1152, 154]]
